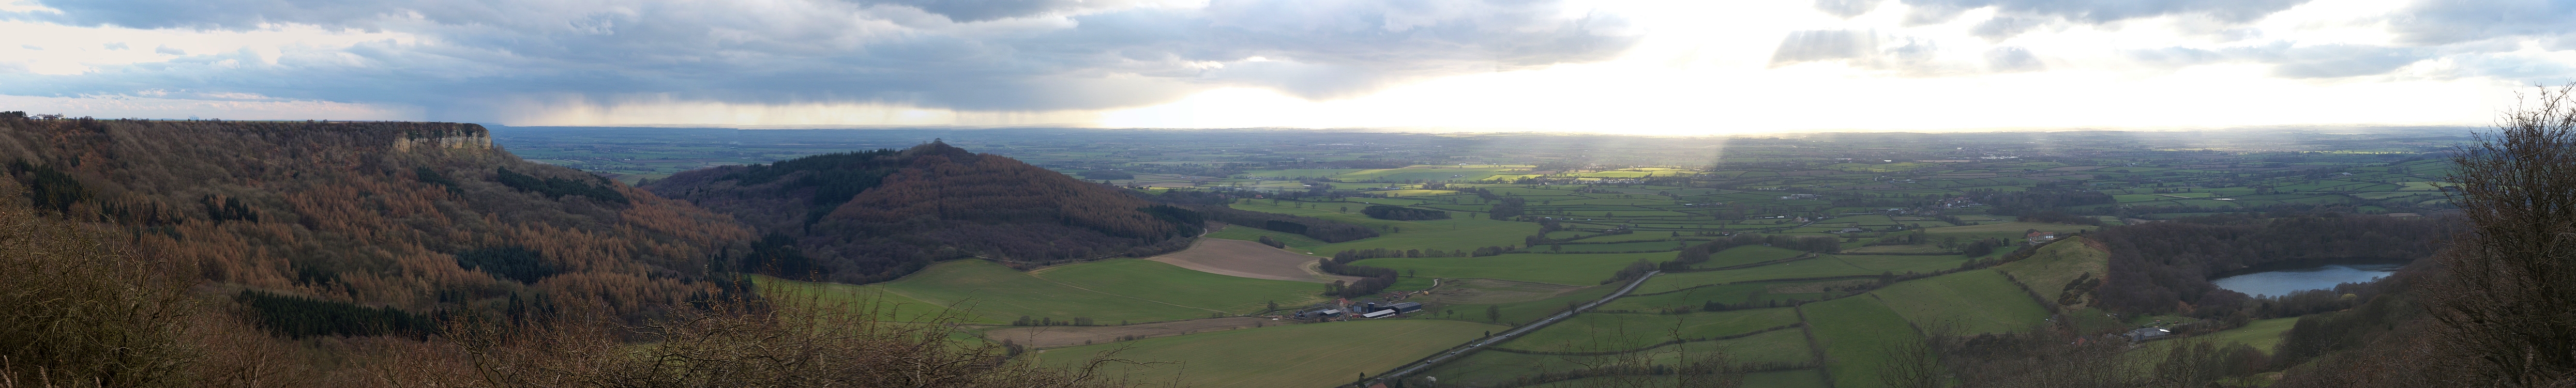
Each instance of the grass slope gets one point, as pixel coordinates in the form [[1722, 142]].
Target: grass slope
[[1972, 302], [1001, 294], [887, 305], [1856, 332], [2263, 334], [2052, 267], [1315, 355]]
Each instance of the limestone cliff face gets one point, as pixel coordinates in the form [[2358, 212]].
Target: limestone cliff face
[[465, 136]]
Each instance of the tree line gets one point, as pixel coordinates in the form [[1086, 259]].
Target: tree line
[[1372, 279], [1317, 228], [351, 243], [1400, 213], [864, 217], [553, 187], [2165, 267]]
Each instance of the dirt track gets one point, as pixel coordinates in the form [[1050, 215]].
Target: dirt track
[[1056, 336], [1248, 259]]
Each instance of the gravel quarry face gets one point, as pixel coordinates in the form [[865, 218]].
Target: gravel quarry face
[[1249, 259]]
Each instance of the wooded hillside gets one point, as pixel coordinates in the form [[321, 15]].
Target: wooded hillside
[[2155, 265], [873, 216], [417, 217]]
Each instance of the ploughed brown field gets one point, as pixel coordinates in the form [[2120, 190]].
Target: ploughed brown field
[[1061, 336], [1249, 259]]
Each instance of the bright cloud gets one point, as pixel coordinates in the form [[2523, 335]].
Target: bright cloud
[[1682, 67]]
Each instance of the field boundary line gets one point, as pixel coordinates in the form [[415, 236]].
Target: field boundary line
[[1462, 350], [1760, 281], [1347, 349], [1124, 296], [1654, 346], [1814, 347], [1806, 256]]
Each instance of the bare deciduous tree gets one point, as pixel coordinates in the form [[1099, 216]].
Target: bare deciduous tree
[[2509, 295]]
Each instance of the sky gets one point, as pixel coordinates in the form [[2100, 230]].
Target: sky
[[1608, 66]]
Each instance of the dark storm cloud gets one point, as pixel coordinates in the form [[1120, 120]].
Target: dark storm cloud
[[473, 52]]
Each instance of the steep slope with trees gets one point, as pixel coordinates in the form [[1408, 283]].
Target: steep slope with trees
[[2154, 266], [363, 217], [873, 216]]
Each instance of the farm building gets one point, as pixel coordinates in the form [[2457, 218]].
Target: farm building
[[1378, 314], [1398, 308], [2144, 334], [2040, 237]]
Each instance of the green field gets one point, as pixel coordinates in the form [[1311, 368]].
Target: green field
[[1450, 234], [1523, 312], [1166, 283], [1734, 294], [1856, 333], [1566, 269], [2011, 232], [2050, 269], [1761, 185], [1001, 294], [1810, 268], [1428, 173], [1294, 174], [1311, 355], [1971, 302], [1748, 254], [885, 305], [1900, 263], [1246, 233], [1598, 332], [1490, 367], [1121, 290], [2262, 335], [1652, 246]]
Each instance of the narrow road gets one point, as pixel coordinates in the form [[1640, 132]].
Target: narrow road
[[1480, 344]]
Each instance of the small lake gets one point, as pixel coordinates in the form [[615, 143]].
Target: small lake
[[2278, 283]]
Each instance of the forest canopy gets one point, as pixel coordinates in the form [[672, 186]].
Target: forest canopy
[[873, 216]]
